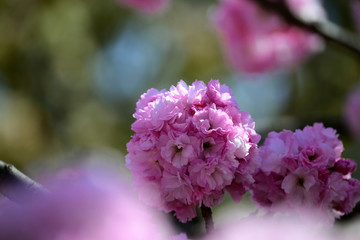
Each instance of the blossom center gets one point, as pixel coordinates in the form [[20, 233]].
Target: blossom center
[[178, 148], [206, 145], [313, 157], [300, 182]]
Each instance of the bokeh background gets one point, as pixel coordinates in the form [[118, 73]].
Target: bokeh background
[[71, 72]]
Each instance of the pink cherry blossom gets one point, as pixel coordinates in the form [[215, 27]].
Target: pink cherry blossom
[[256, 41], [344, 193], [301, 186], [352, 112], [146, 6], [267, 190], [180, 150], [305, 169], [345, 166], [211, 174], [190, 144], [83, 205]]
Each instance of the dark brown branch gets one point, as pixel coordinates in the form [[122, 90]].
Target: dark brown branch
[[207, 215], [325, 29], [16, 186]]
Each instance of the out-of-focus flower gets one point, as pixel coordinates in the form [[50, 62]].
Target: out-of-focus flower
[[257, 41], [305, 169], [288, 228], [352, 112], [309, 10], [181, 236], [190, 144], [146, 6], [83, 206], [356, 13]]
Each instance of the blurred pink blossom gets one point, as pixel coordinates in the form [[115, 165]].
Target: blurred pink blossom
[[352, 112], [83, 205], [305, 169], [256, 41], [309, 10], [146, 6], [356, 13], [265, 228], [190, 144]]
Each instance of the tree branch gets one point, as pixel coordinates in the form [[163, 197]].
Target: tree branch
[[207, 215], [325, 29], [16, 186]]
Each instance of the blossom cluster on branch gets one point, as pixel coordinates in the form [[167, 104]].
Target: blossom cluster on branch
[[266, 35], [305, 169], [190, 144], [257, 41]]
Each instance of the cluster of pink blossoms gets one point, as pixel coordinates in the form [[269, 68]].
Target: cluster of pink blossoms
[[190, 144], [305, 169], [146, 6], [352, 111], [257, 41]]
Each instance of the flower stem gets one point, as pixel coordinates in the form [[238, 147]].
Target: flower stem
[[16, 186], [207, 215]]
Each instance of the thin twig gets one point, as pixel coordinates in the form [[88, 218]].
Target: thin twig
[[207, 215], [325, 29], [16, 186]]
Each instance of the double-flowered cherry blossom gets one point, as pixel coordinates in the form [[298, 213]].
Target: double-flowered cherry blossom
[[305, 169], [190, 144], [256, 40]]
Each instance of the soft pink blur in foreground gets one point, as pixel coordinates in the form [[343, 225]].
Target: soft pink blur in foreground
[[352, 111], [146, 6], [190, 144], [85, 206], [305, 169], [257, 41], [252, 228]]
